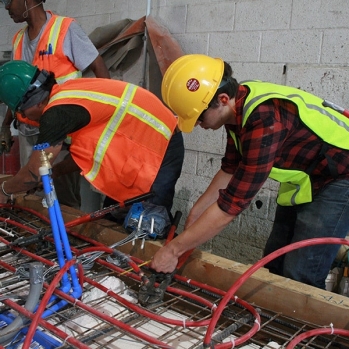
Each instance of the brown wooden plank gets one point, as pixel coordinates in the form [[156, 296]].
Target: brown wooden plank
[[273, 292]]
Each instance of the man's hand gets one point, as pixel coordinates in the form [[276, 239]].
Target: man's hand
[[6, 139], [164, 260]]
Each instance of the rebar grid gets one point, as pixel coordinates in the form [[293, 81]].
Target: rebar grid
[[102, 320]]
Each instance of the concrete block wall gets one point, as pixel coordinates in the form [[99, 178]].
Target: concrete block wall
[[301, 43]]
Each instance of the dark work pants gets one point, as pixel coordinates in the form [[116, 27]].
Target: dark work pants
[[326, 216]]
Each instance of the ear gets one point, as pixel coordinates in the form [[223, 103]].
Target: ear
[[224, 98]]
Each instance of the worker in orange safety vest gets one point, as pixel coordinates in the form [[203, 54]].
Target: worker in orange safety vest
[[54, 43], [119, 131]]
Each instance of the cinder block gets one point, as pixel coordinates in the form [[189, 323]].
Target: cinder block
[[335, 48], [210, 17], [193, 43], [271, 72], [106, 6], [291, 46], [206, 140], [171, 3], [81, 8], [319, 14], [259, 206], [208, 164], [190, 163], [236, 250], [5, 18], [263, 15], [254, 231], [88, 24], [58, 7], [236, 46], [4, 38], [166, 17], [137, 8], [190, 187], [327, 82]]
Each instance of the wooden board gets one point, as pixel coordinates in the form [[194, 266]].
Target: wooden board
[[267, 290]]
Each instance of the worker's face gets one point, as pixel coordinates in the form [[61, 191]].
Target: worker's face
[[210, 119], [222, 113], [16, 9]]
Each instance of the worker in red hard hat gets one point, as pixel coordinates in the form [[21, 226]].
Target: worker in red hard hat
[[120, 132], [273, 131]]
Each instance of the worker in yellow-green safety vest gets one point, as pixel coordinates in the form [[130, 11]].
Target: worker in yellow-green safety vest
[[272, 131], [329, 125]]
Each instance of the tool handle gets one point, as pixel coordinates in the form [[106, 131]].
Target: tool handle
[[176, 219], [183, 258], [336, 107], [100, 213]]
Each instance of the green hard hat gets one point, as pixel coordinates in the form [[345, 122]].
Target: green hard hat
[[15, 79]]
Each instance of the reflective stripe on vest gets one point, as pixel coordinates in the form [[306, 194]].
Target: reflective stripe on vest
[[121, 109], [331, 126], [55, 31], [16, 41], [64, 69]]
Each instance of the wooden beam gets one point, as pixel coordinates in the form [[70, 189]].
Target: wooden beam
[[279, 294]]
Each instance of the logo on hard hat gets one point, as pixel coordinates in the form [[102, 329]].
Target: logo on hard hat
[[193, 85]]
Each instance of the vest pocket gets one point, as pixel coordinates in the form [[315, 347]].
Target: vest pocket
[[130, 171]]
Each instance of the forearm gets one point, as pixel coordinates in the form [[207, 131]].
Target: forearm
[[210, 223], [28, 177], [23, 181], [207, 226], [99, 68], [210, 196]]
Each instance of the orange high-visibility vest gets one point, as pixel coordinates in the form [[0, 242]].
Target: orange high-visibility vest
[[121, 150], [49, 53]]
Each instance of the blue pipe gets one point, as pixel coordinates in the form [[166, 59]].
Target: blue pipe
[[50, 199], [42, 338], [60, 236], [77, 291]]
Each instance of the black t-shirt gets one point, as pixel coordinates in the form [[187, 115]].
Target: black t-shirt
[[57, 122]]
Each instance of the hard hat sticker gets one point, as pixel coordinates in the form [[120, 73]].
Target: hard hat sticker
[[193, 85]]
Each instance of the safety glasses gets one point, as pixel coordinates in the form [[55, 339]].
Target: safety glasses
[[6, 2]]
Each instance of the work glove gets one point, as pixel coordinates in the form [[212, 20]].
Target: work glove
[[6, 139]]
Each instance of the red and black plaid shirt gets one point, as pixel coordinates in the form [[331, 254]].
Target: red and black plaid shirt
[[273, 136]]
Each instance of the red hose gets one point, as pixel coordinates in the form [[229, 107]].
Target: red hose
[[59, 333], [254, 268], [313, 333], [227, 295]]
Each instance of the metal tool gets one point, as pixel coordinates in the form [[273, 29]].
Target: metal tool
[[27, 240], [153, 288], [101, 213], [335, 107]]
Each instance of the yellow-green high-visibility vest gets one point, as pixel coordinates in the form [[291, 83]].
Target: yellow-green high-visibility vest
[[329, 125]]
